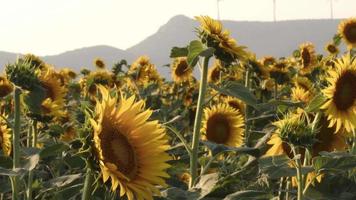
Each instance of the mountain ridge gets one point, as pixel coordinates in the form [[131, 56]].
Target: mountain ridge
[[263, 38]]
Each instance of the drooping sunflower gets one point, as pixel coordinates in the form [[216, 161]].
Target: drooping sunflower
[[5, 137], [102, 77], [181, 71], [99, 63], [54, 93], [308, 58], [6, 86], [303, 82], [223, 124], [341, 104], [347, 29], [331, 48], [130, 148], [268, 61], [212, 33]]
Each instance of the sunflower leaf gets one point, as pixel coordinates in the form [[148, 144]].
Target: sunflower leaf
[[315, 103], [53, 150], [334, 161], [179, 52], [34, 99], [249, 195], [235, 89], [196, 49]]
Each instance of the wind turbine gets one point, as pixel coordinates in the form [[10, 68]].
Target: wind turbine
[[274, 11], [218, 8]]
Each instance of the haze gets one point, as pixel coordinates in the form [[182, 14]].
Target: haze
[[50, 27]]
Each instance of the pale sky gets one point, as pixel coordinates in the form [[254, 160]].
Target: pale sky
[[47, 27]]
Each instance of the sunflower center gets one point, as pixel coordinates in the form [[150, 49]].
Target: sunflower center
[[345, 93], [235, 105], [306, 57], [215, 75], [181, 68], [350, 32], [332, 49], [118, 150], [218, 129], [49, 91]]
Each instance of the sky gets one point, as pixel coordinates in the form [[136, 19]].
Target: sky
[[49, 27]]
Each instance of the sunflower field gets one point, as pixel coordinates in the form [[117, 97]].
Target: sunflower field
[[246, 128]]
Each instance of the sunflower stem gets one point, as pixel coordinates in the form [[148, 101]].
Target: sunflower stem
[[197, 123], [16, 144], [88, 182], [33, 131], [299, 173], [247, 110]]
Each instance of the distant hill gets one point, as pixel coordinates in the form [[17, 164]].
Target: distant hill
[[263, 38]]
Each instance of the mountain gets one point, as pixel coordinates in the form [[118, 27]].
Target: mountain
[[264, 38]]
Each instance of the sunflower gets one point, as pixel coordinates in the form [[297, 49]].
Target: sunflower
[[268, 61], [211, 32], [341, 104], [235, 103], [143, 71], [223, 124], [300, 94], [308, 58], [130, 149], [54, 93], [102, 77], [303, 82], [99, 63], [347, 29], [331, 48], [5, 137], [215, 72], [181, 71], [279, 72], [6, 86]]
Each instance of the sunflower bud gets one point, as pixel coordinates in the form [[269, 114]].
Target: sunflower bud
[[294, 130], [22, 74]]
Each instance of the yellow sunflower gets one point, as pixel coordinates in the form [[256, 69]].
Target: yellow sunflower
[[6, 87], [102, 77], [226, 48], [235, 103], [341, 104], [347, 29], [143, 71], [299, 94], [331, 48], [99, 63], [268, 61], [303, 82], [215, 72], [279, 72], [308, 58], [223, 124], [181, 71], [5, 137], [54, 93], [130, 149]]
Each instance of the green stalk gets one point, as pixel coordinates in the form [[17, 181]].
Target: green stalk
[[299, 174], [88, 182], [197, 123], [247, 110], [353, 148], [30, 173], [16, 144]]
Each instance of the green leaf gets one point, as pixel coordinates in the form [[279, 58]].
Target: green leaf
[[207, 183], [53, 150], [235, 89], [31, 162], [179, 52], [196, 49], [316, 103], [249, 195], [35, 98], [270, 161], [8, 172], [337, 39], [272, 103], [334, 161], [5, 162], [217, 148], [62, 180]]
